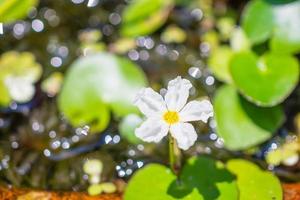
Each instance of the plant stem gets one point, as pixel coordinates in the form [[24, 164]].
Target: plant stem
[[172, 156]]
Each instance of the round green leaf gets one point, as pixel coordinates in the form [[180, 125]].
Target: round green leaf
[[96, 84], [201, 178], [11, 10], [242, 124], [286, 37], [262, 19], [151, 182], [267, 80], [219, 63], [257, 21], [253, 183], [209, 178], [143, 17]]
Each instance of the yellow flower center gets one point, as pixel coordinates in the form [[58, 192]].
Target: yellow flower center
[[171, 117]]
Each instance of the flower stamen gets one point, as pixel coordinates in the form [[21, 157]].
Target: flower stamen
[[171, 117]]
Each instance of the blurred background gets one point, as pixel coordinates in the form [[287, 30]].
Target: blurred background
[[69, 70]]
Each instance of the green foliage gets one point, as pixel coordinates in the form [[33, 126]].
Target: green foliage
[[242, 124], [253, 183], [219, 62], [263, 20], [12, 10], [103, 81], [267, 80], [201, 178], [128, 126], [257, 21], [18, 72], [143, 17]]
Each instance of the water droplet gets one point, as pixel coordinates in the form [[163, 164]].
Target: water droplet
[[139, 164], [108, 139], [210, 80], [47, 153], [37, 25], [195, 72]]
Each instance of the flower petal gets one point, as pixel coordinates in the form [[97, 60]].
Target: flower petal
[[185, 134], [152, 130], [196, 110], [150, 102], [178, 93]]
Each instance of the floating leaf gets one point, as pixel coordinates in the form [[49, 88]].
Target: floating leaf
[[123, 45], [241, 124], [11, 10], [286, 37], [239, 41], [219, 63], [128, 126], [101, 81], [173, 34], [143, 17], [286, 154], [201, 178], [95, 189], [257, 21], [267, 80], [18, 73], [225, 25], [264, 19], [52, 84], [253, 183], [108, 187]]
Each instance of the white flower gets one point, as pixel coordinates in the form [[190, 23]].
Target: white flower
[[171, 113]]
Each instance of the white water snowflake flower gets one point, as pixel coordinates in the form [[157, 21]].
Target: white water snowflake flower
[[171, 113]]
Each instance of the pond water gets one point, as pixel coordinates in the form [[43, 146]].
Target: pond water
[[40, 148]]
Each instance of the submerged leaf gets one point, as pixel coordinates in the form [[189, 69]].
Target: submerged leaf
[[102, 81]]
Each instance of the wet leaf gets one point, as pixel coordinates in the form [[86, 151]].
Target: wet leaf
[[201, 178], [265, 80], [262, 20], [257, 21], [103, 81], [12, 10], [253, 183], [241, 124], [142, 17], [219, 63], [286, 37]]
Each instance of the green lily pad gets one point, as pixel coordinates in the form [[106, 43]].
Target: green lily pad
[[286, 37], [11, 10], [241, 124], [219, 63], [18, 73], [267, 80], [257, 21], [201, 178], [263, 19], [254, 183], [98, 84], [143, 17]]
